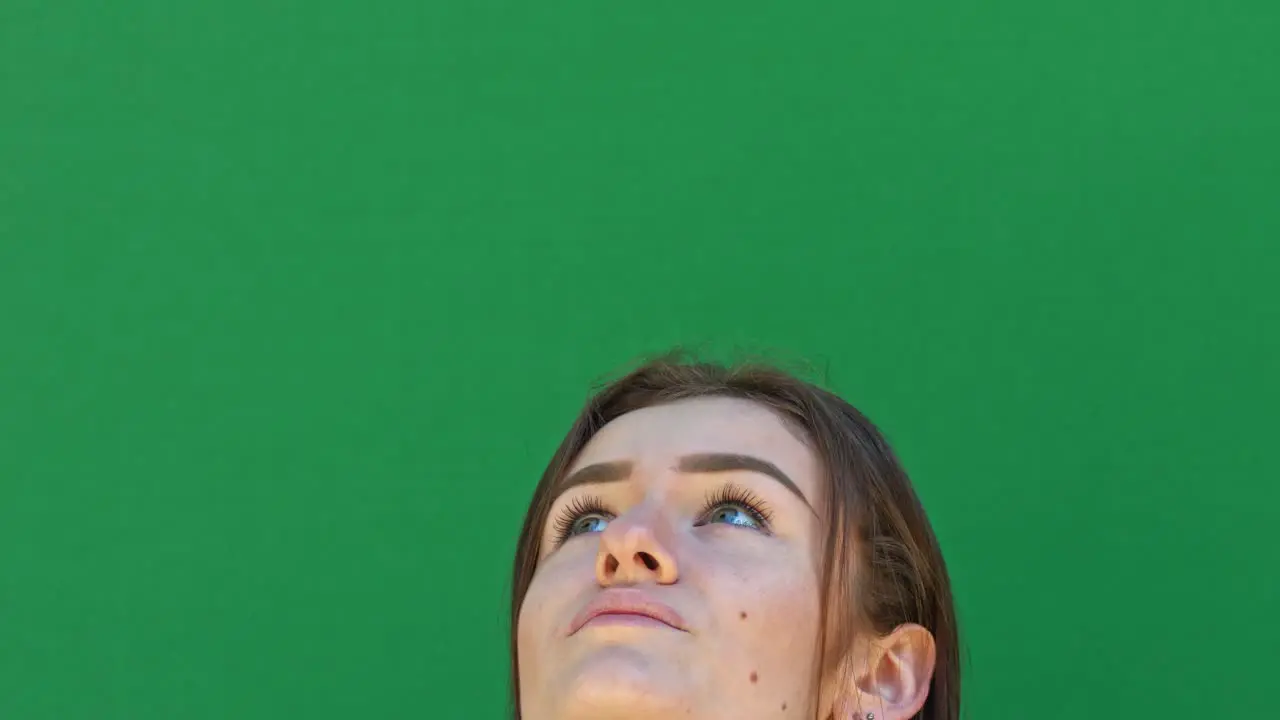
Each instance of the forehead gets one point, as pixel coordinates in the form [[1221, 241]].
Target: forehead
[[661, 433]]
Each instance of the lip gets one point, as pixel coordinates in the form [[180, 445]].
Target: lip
[[623, 603]]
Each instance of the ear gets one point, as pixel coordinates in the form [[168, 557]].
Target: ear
[[892, 680]]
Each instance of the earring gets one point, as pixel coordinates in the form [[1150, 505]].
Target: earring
[[871, 716]]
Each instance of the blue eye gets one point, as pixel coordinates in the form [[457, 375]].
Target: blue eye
[[583, 516], [588, 524], [732, 515], [733, 505], [730, 505]]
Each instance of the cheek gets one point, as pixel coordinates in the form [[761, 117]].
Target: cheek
[[786, 602], [536, 615], [534, 635], [528, 620], [550, 602], [768, 612]]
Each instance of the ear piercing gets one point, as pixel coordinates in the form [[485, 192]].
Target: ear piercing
[[871, 716]]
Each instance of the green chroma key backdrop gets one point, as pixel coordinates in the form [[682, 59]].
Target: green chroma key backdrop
[[297, 298]]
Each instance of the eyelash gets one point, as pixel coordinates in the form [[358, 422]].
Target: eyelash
[[588, 505], [730, 494], [727, 494]]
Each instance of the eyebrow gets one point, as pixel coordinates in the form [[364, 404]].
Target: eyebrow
[[618, 470]]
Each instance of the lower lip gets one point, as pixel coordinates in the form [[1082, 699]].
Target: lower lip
[[625, 620]]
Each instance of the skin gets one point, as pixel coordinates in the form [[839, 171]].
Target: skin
[[745, 591]]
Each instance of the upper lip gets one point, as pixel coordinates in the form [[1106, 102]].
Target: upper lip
[[627, 602]]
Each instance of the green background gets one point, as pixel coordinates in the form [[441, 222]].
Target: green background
[[296, 299]]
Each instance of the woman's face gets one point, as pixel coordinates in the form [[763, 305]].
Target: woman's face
[[679, 572]]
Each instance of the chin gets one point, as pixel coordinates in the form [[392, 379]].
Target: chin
[[625, 682]]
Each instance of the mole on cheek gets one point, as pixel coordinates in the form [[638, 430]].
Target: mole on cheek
[[784, 706], [743, 614], [754, 677]]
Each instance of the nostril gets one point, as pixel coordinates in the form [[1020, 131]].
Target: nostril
[[610, 565], [649, 561]]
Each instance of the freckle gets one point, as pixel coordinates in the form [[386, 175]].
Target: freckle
[[743, 614], [784, 706], [754, 677]]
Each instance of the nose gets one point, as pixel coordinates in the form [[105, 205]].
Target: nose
[[637, 548]]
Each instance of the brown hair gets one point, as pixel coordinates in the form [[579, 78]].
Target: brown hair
[[882, 564]]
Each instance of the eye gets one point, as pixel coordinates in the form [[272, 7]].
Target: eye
[[733, 515], [582, 516], [588, 524], [732, 505]]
